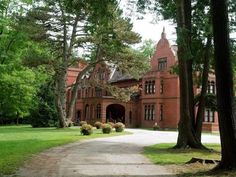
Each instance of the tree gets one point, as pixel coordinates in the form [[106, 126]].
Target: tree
[[194, 56], [17, 92], [187, 136], [100, 29], [18, 83], [44, 113], [224, 85], [147, 48]]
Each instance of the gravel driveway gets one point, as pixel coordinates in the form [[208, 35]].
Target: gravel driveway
[[104, 157]]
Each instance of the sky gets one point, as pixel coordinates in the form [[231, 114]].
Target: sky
[[152, 30]]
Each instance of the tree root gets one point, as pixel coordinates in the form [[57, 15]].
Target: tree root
[[203, 161]]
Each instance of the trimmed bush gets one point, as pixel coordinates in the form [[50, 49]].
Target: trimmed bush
[[86, 129], [111, 124], [98, 125], [119, 127], [106, 128], [81, 123], [155, 126]]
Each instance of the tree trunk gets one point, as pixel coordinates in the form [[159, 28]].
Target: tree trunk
[[61, 96], [201, 105], [186, 136], [224, 85], [71, 106]]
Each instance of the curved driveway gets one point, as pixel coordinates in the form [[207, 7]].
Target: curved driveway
[[104, 157]]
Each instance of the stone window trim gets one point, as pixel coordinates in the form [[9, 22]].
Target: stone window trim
[[211, 87], [98, 92], [209, 116], [98, 111], [162, 63], [149, 112], [150, 87]]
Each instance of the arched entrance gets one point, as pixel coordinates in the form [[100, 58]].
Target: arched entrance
[[115, 113]]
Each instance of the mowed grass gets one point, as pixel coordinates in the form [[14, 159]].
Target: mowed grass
[[164, 154], [19, 143], [175, 160]]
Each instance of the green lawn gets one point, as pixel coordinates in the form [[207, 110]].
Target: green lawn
[[176, 159], [164, 154], [18, 143]]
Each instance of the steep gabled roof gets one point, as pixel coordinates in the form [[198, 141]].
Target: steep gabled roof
[[118, 75]]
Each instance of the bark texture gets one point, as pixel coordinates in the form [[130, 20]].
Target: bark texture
[[186, 137], [201, 105], [224, 84]]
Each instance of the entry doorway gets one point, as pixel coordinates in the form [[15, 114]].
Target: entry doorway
[[115, 113]]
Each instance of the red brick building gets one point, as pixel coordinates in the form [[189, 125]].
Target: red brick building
[[157, 101]]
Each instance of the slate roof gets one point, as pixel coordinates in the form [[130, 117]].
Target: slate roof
[[118, 75]]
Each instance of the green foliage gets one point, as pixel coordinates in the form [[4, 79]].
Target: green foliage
[[106, 128], [119, 127], [18, 82], [86, 129], [98, 125], [18, 88], [44, 113], [147, 48]]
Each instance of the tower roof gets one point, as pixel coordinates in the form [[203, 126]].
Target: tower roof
[[163, 34]]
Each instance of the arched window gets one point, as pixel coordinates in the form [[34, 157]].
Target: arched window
[[98, 111], [86, 112]]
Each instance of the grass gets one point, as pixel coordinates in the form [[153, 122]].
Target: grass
[[175, 160], [164, 154], [19, 143]]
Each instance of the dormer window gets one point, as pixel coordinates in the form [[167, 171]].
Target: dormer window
[[162, 64]]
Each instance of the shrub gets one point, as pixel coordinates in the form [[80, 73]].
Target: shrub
[[81, 123], [86, 129], [155, 126], [119, 127], [111, 124], [106, 128], [98, 125]]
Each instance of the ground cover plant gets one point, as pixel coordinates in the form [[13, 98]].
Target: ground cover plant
[[19, 143]]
